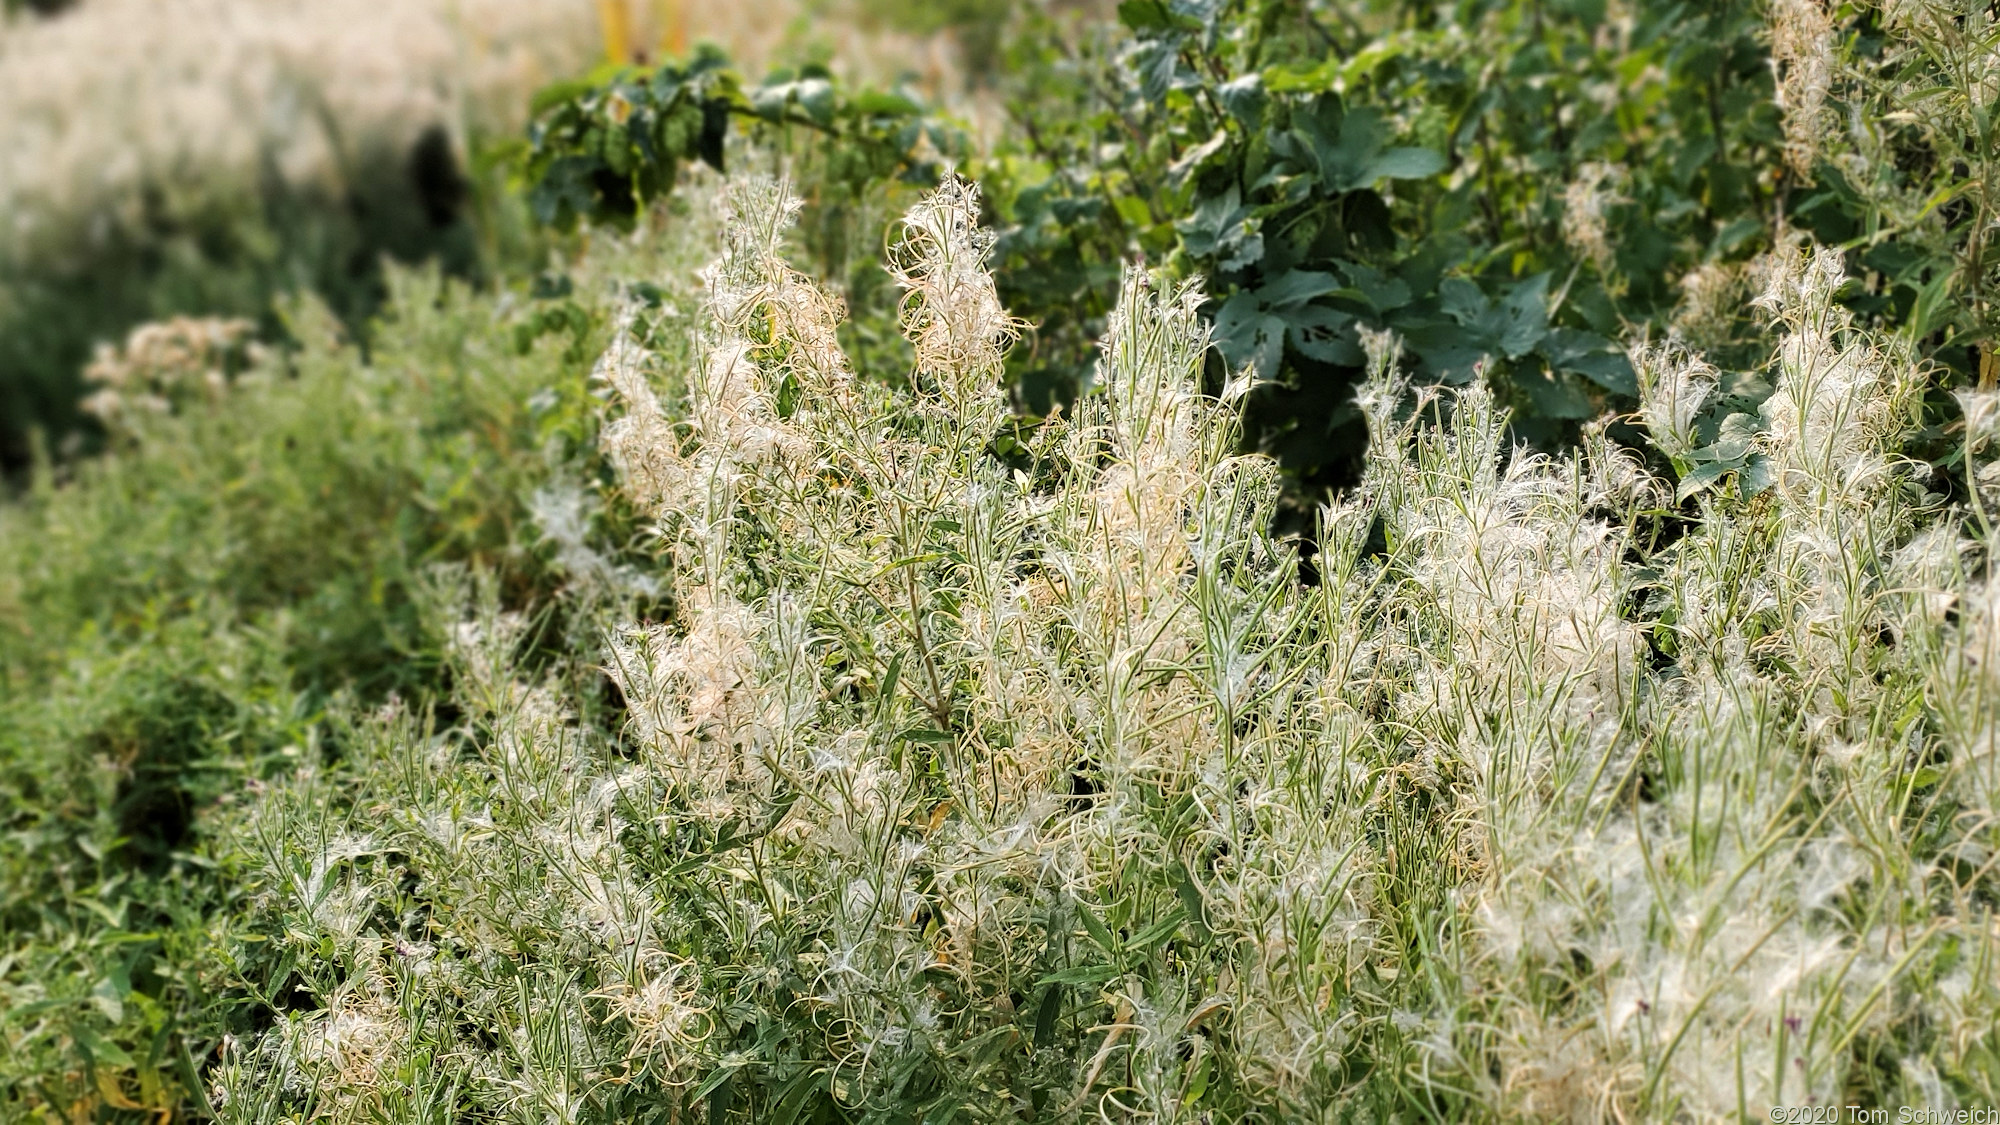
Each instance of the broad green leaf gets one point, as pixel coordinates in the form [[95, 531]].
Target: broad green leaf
[[104, 1052], [1702, 477], [1554, 394], [1250, 336], [109, 996], [878, 103], [557, 93], [1524, 316], [1160, 69], [813, 95], [1404, 163], [1197, 157], [1734, 441], [1153, 15], [1289, 79], [1295, 287], [1372, 287], [1758, 475], [1220, 223], [1323, 334], [1245, 100], [1595, 357]]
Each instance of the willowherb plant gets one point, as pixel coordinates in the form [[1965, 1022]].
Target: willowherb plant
[[1932, 83], [1803, 59], [958, 789], [1584, 222], [1674, 385], [1773, 903]]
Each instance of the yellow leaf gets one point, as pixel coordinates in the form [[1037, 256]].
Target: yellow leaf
[[113, 1095]]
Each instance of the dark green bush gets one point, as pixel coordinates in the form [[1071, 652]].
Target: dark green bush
[[1334, 170], [1517, 184], [603, 147]]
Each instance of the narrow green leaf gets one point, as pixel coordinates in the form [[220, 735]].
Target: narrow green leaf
[[1160, 930], [715, 1080], [1096, 929], [792, 1099], [1082, 974], [1048, 1014]]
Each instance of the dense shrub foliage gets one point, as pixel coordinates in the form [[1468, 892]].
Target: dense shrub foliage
[[1515, 188], [603, 149], [1400, 562], [1519, 185], [179, 619], [956, 789]]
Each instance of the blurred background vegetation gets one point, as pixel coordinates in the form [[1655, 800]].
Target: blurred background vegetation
[[214, 158], [200, 573]]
